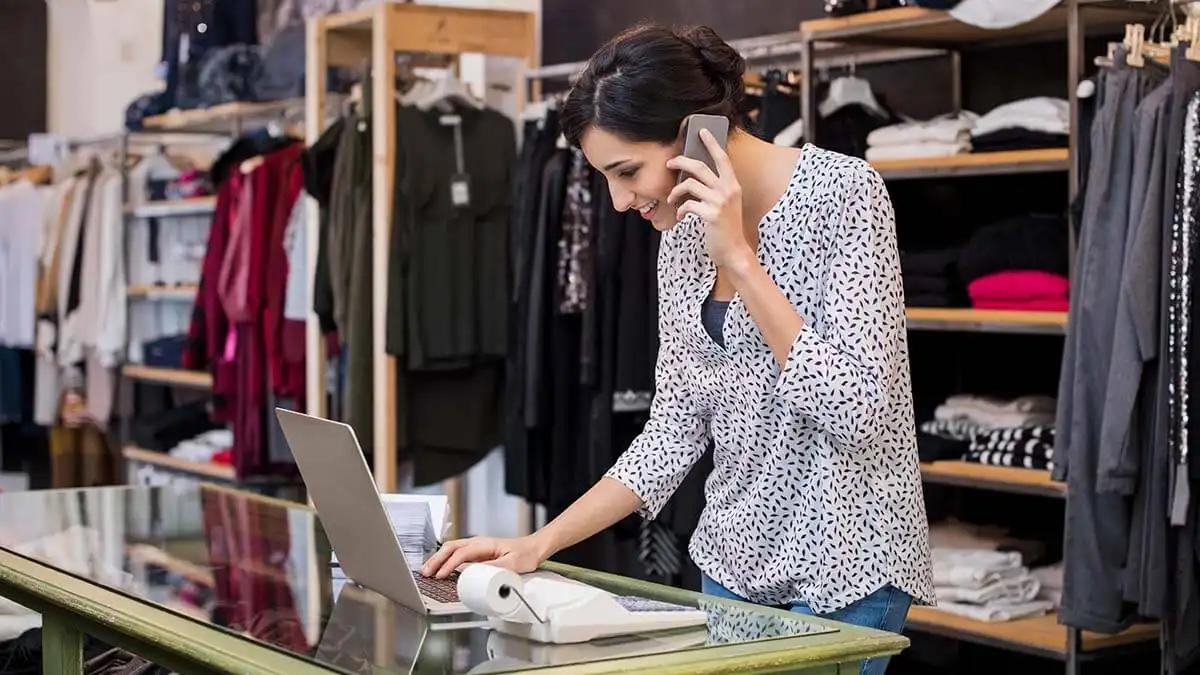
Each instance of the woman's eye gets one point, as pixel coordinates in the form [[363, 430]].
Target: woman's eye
[[627, 173]]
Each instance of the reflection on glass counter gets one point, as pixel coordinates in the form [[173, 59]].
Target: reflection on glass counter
[[261, 570]]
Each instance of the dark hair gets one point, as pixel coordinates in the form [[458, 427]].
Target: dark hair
[[642, 83]]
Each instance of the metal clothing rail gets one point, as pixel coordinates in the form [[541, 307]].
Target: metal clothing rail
[[14, 155], [153, 137], [774, 49]]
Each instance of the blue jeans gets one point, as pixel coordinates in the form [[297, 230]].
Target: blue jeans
[[885, 609]]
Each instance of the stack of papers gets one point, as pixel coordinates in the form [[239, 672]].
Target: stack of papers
[[420, 522], [413, 521]]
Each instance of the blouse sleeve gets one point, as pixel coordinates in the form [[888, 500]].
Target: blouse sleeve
[[674, 438], [839, 373]]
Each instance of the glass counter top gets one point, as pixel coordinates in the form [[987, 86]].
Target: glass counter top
[[260, 569]]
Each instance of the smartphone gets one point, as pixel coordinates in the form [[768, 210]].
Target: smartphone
[[693, 147]]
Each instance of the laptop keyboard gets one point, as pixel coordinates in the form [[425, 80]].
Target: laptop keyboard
[[442, 590]]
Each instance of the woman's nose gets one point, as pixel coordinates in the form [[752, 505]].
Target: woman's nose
[[622, 199]]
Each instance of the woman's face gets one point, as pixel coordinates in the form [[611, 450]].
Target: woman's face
[[637, 174]]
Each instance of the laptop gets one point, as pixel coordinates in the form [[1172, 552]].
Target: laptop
[[342, 489]]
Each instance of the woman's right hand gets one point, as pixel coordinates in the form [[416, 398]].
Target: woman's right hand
[[520, 555]]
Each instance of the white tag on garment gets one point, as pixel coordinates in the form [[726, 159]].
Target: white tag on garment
[[450, 120], [460, 190]]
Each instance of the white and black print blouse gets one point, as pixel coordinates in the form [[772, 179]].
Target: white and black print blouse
[[815, 494]]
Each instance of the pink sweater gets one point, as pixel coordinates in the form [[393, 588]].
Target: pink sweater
[[1020, 289]]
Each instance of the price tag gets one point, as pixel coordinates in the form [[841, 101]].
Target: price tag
[[460, 182], [460, 190]]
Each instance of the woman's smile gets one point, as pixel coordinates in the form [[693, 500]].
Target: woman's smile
[[649, 209]]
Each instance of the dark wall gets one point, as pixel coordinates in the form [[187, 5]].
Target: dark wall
[[573, 29], [23, 46]]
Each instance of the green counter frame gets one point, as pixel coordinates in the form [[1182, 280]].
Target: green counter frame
[[72, 607]]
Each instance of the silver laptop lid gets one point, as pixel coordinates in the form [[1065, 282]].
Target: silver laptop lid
[[344, 493]]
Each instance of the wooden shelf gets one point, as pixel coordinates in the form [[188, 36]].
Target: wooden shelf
[[966, 319], [181, 292], [917, 26], [223, 117], [976, 164], [176, 207], [1041, 635], [221, 472], [153, 555], [426, 32], [176, 376], [997, 478]]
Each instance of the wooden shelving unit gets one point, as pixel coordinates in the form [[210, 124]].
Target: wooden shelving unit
[[997, 478], [221, 472], [175, 207], [216, 124], [222, 117], [376, 35], [921, 27], [183, 291], [168, 376], [967, 319], [147, 554], [1068, 22], [976, 164], [1041, 636]]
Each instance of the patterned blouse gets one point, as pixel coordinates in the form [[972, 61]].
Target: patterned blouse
[[815, 495]]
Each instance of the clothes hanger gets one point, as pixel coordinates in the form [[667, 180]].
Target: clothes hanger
[[1135, 38], [445, 90], [850, 90], [1191, 34]]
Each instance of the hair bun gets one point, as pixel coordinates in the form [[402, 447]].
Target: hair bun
[[722, 62]]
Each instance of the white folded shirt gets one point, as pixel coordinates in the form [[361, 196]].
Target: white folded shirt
[[969, 568], [949, 128], [1039, 113], [1022, 588], [876, 153], [992, 415], [995, 612]]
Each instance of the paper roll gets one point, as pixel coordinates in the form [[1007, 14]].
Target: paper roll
[[492, 591]]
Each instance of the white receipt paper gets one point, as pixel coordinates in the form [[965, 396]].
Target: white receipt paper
[[493, 591]]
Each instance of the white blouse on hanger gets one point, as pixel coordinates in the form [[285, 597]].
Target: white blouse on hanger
[[22, 205]]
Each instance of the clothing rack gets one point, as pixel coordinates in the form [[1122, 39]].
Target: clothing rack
[[778, 50], [915, 26], [209, 127], [375, 36]]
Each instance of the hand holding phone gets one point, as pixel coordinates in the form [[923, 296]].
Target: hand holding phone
[[693, 147], [709, 189]]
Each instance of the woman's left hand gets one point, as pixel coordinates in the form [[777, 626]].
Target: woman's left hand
[[716, 198]]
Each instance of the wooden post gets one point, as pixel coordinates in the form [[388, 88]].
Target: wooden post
[[383, 130], [316, 60]]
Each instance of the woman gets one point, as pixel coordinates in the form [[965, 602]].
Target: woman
[[782, 339]]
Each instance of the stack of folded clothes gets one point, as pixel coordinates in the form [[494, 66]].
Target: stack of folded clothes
[[930, 278], [1038, 122], [986, 585], [1018, 263], [942, 136], [1031, 290], [985, 430]]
